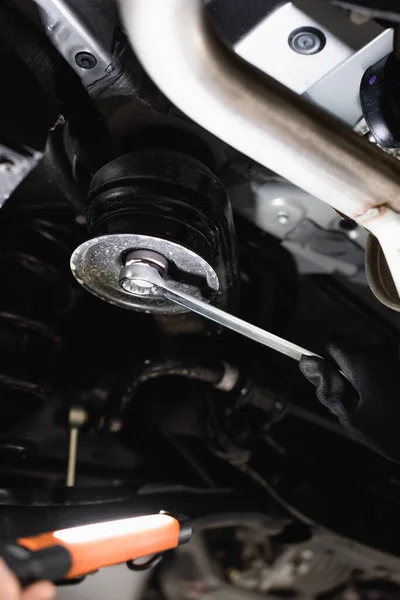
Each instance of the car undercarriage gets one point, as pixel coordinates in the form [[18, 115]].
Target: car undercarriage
[[249, 153]]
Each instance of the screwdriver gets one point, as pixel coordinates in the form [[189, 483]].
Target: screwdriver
[[74, 552]]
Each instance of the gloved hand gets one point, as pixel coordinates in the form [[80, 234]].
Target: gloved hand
[[367, 400]]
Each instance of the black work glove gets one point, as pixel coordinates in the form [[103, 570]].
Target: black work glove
[[367, 400]]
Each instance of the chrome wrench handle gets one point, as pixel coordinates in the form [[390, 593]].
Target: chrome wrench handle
[[146, 274], [238, 325], [235, 324]]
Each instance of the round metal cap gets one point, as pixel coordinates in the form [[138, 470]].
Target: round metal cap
[[97, 265], [307, 40]]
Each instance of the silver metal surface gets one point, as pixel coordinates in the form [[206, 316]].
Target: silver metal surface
[[267, 48], [264, 120], [70, 35], [267, 198], [279, 208], [332, 79], [97, 265], [150, 275], [76, 418]]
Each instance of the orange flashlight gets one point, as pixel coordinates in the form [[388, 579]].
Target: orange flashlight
[[77, 551]]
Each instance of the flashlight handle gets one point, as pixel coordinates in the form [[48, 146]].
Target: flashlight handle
[[77, 551]]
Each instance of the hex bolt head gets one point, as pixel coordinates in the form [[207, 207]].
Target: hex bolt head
[[149, 257], [307, 40], [85, 60]]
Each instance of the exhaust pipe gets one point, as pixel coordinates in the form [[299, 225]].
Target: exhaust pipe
[[263, 119]]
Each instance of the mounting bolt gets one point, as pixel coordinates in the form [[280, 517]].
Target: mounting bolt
[[6, 165], [307, 40], [141, 258], [154, 259], [85, 60], [283, 218]]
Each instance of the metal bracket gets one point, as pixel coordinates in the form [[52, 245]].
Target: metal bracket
[[14, 167], [73, 40]]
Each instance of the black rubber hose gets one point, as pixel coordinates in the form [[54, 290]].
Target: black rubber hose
[[211, 373], [206, 373], [60, 171]]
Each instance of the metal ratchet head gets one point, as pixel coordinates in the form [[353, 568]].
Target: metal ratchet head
[[146, 277]]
